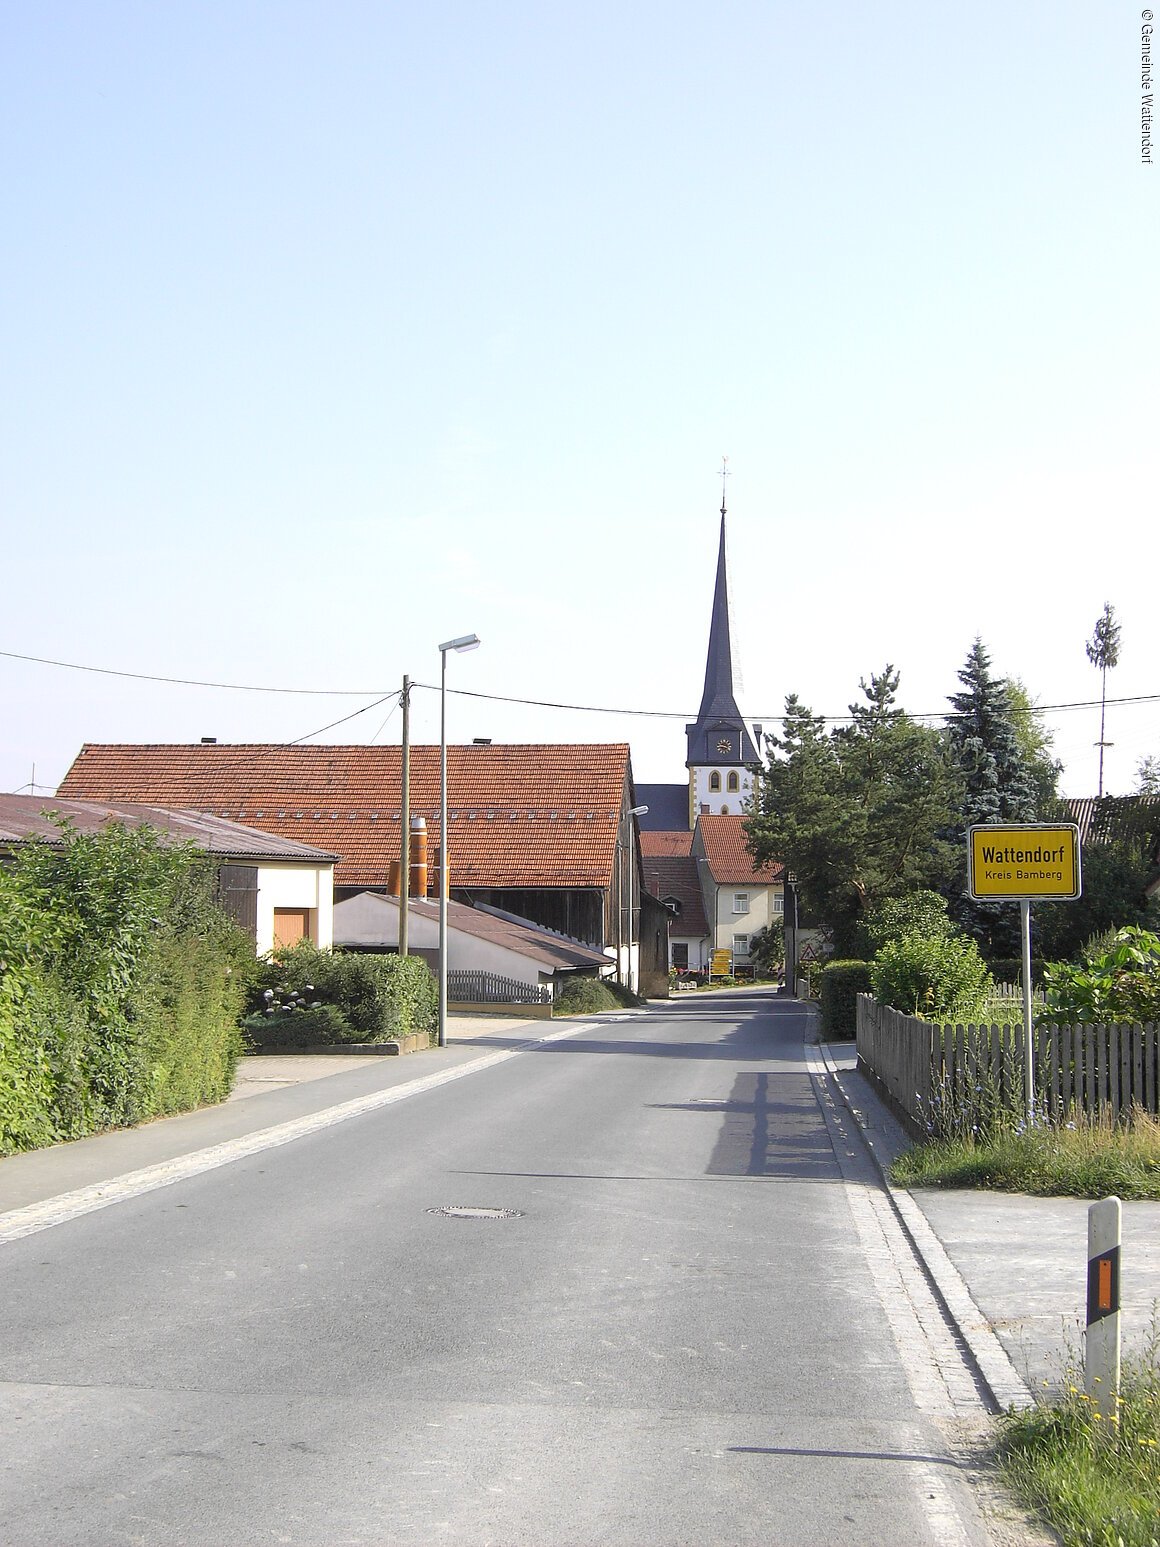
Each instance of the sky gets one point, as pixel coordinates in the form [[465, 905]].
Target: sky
[[333, 332]]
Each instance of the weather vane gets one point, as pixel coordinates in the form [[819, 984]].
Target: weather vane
[[724, 474]]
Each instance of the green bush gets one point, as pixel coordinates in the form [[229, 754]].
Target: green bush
[[767, 950], [121, 983], [916, 913], [187, 1013], [589, 996], [841, 983], [381, 997], [27, 1107], [316, 1026], [939, 978], [1009, 969], [1121, 983]]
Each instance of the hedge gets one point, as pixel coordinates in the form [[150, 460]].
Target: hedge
[[121, 983], [376, 997], [841, 983]]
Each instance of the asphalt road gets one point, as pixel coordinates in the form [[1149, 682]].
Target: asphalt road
[[679, 1329]]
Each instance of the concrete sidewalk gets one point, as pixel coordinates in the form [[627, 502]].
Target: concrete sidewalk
[[274, 1071], [1008, 1266], [270, 1089]]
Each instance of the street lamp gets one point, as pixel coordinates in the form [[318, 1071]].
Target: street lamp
[[634, 811], [465, 642]]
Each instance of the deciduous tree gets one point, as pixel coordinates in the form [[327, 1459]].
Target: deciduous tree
[[855, 812]]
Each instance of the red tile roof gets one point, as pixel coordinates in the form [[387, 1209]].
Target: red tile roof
[[665, 843], [676, 875], [518, 816], [730, 862]]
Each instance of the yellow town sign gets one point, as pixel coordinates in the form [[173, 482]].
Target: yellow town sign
[[1015, 861]]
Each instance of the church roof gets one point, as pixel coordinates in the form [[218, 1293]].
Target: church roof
[[668, 807], [718, 704]]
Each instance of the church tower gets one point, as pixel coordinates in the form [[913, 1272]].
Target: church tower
[[720, 749]]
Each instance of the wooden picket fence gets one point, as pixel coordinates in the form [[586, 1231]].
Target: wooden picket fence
[[476, 987], [926, 1069]]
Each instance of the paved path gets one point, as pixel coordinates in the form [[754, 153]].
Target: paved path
[[1021, 1260], [671, 1303], [274, 1071], [292, 1086]]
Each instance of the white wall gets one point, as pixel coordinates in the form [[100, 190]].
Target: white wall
[[296, 886], [371, 919], [758, 915], [734, 801], [698, 950]]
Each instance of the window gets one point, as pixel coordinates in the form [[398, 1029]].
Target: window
[[778, 905], [733, 784], [673, 904], [740, 946], [292, 925], [714, 781], [681, 958], [741, 902]]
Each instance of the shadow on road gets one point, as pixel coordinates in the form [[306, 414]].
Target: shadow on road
[[916, 1457], [772, 1127]]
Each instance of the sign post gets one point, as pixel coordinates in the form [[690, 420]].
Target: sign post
[[720, 964], [1028, 1039], [1019, 862]]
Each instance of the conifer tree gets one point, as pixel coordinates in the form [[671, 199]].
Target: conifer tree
[[1103, 651], [996, 785]]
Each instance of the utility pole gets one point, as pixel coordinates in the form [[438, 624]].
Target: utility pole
[[405, 822]]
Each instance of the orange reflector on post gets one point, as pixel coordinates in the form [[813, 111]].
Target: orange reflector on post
[[1104, 1299]]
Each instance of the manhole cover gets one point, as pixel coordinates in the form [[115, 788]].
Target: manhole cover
[[468, 1211]]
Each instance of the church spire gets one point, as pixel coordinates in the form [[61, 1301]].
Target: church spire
[[719, 734], [717, 697]]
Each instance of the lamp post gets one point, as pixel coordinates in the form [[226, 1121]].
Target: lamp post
[[465, 642], [634, 811]]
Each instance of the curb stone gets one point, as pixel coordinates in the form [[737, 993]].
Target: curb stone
[[1002, 1381]]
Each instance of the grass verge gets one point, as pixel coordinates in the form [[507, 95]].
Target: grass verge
[[1098, 1487], [1087, 1158]]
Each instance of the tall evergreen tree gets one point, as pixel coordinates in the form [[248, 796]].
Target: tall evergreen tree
[[1103, 651], [997, 786]]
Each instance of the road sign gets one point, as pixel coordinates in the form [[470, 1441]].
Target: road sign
[[1023, 861]]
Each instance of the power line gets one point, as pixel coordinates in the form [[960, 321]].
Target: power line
[[191, 682], [830, 719], [531, 703]]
